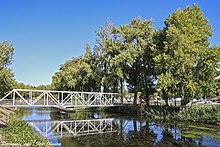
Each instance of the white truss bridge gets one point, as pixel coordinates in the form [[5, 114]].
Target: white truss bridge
[[62, 99], [50, 129]]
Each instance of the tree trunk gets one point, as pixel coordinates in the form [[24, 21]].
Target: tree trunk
[[182, 96], [89, 85], [115, 87], [147, 100], [165, 97], [121, 81], [135, 96], [105, 75], [147, 96], [167, 101]]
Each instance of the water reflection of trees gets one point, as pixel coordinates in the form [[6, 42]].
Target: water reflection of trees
[[23, 112], [28, 112], [135, 133], [139, 135], [80, 115], [169, 137], [131, 132]]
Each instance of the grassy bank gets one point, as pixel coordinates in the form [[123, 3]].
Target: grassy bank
[[5, 113], [158, 112], [207, 114], [20, 133]]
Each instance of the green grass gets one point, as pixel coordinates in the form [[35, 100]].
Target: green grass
[[201, 128], [189, 134], [160, 112], [205, 114], [209, 114], [21, 133], [199, 134]]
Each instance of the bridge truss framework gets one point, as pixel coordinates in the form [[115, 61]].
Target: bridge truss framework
[[24, 97]]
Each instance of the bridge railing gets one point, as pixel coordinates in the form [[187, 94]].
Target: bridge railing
[[25, 97]]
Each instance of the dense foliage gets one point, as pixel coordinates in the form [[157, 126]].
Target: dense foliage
[[176, 61], [200, 113], [188, 62], [6, 76]]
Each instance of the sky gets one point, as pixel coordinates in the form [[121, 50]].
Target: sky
[[46, 33]]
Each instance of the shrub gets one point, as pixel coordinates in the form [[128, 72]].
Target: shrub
[[160, 112], [200, 113]]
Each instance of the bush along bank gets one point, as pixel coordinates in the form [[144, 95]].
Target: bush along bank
[[209, 114], [157, 112], [20, 133], [206, 114]]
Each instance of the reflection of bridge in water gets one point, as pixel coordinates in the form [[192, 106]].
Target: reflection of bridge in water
[[50, 129]]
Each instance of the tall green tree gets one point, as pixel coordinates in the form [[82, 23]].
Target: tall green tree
[[7, 81], [177, 60], [6, 53], [206, 72], [104, 51], [181, 50], [93, 79], [134, 47], [74, 75]]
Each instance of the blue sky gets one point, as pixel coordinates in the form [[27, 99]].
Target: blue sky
[[46, 33]]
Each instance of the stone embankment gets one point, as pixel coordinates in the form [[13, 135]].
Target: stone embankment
[[5, 113]]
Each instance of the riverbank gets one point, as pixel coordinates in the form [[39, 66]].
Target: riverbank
[[206, 114], [93, 127], [5, 113], [18, 132]]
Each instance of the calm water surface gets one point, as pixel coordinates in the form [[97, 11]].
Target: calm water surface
[[107, 129]]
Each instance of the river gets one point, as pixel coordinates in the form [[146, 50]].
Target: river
[[94, 128]]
